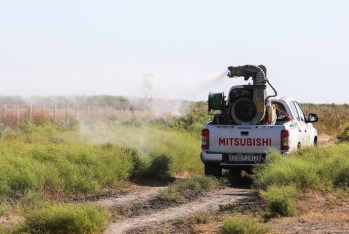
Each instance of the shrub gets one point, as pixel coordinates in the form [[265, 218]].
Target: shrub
[[344, 135], [279, 201], [85, 218], [189, 188], [168, 195], [243, 225], [17, 229], [159, 167]]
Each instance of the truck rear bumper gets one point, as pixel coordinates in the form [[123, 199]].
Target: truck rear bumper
[[210, 158], [222, 161]]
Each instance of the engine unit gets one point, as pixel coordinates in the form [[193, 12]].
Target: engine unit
[[245, 104]]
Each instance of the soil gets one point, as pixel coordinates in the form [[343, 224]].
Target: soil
[[162, 218], [318, 213]]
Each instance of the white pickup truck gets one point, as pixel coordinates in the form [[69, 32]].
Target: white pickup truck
[[249, 123]]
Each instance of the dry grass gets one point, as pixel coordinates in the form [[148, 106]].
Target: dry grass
[[314, 206], [331, 122], [207, 228]]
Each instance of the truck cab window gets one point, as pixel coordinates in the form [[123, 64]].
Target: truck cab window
[[294, 111], [300, 112]]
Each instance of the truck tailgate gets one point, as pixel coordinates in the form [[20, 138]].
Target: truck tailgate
[[243, 138]]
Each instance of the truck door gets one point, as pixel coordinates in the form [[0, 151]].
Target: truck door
[[304, 131]]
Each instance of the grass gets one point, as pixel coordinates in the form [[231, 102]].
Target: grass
[[243, 225], [58, 162], [82, 218], [283, 179], [69, 162], [314, 167], [189, 188]]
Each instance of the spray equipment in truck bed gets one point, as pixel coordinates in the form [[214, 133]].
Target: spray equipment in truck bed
[[246, 104]]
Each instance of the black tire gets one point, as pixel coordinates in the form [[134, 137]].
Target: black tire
[[211, 170], [234, 176]]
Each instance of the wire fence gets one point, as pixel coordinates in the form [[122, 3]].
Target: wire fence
[[13, 114]]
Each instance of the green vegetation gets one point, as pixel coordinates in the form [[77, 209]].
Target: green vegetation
[[189, 188], [344, 135], [279, 201], [243, 225], [281, 179], [47, 162], [49, 159], [228, 207], [314, 168], [83, 218]]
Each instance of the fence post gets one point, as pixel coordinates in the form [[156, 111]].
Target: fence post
[[88, 110], [55, 113], [30, 112], [98, 110], [42, 110], [5, 109], [66, 112], [77, 112], [17, 114]]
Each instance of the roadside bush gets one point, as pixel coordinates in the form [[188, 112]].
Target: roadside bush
[[280, 179], [168, 195], [279, 201], [17, 229], [344, 135], [198, 183], [85, 218], [308, 168], [189, 188], [159, 168], [243, 225]]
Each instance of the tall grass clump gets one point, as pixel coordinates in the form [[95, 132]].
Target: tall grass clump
[[344, 135], [243, 225], [317, 168], [189, 188], [279, 201], [84, 218]]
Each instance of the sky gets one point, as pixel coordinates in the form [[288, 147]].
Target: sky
[[173, 49]]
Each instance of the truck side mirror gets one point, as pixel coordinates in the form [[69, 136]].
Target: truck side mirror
[[312, 118]]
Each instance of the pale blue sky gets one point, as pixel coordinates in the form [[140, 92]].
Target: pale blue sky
[[106, 47]]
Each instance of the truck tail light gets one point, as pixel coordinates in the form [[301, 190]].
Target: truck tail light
[[285, 134], [205, 139]]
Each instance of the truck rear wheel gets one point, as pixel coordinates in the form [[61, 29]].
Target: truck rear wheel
[[234, 175], [211, 170]]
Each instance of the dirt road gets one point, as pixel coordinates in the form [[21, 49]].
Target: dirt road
[[161, 219], [153, 221]]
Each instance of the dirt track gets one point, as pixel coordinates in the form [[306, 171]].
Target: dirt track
[[160, 220], [153, 222]]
